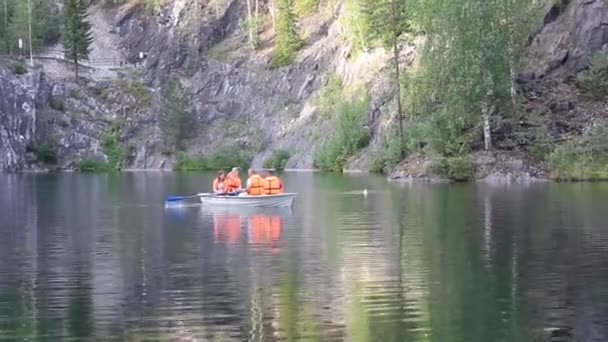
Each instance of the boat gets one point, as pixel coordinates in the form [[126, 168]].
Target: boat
[[263, 201]]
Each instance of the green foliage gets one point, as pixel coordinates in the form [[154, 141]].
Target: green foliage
[[45, 152], [91, 165], [595, 80], [57, 104], [178, 120], [357, 27], [348, 137], [416, 136], [50, 22], [140, 92], [329, 95], [386, 20], [454, 168], [224, 157], [277, 160], [304, 7], [388, 155], [251, 25], [115, 152], [582, 159], [18, 68], [76, 32], [16, 18], [288, 41], [151, 6], [471, 50]]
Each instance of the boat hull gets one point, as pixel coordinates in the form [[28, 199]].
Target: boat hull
[[264, 201]]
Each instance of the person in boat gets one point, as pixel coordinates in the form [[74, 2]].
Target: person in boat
[[272, 184], [255, 184], [220, 184], [234, 182]]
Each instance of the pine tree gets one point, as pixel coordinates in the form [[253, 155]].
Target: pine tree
[[387, 21], [76, 33], [288, 41]]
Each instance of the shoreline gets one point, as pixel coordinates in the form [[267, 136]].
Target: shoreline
[[494, 178]]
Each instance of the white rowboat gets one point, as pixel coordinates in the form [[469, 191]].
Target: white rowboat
[[263, 201]]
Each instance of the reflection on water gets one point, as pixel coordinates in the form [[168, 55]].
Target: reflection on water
[[99, 257]]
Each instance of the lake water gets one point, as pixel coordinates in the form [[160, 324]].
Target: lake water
[[100, 258]]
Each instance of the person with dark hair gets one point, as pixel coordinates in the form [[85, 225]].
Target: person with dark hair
[[220, 185]]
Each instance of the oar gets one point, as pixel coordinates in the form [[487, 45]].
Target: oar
[[179, 198], [182, 198]]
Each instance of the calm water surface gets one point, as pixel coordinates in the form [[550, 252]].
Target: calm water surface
[[100, 258]]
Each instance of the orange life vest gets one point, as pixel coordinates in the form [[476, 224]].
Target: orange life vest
[[255, 186], [273, 185], [233, 183]]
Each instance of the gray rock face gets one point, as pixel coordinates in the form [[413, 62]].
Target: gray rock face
[[27, 121], [572, 32], [238, 103], [20, 98]]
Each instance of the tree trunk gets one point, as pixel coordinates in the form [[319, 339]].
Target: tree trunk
[[250, 23], [398, 84], [29, 29], [76, 69], [8, 39], [273, 14], [257, 15], [486, 113], [513, 87]]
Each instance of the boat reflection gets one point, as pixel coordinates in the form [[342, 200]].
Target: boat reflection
[[227, 228], [265, 230], [255, 227]]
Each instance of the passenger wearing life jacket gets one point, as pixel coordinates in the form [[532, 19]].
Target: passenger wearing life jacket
[[234, 182], [272, 184], [219, 183], [255, 184]]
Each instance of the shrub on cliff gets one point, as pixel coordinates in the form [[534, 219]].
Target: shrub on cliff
[[277, 160], [585, 158], [57, 104], [18, 68], [45, 152], [454, 168], [348, 137], [177, 120], [595, 80], [288, 41], [223, 158]]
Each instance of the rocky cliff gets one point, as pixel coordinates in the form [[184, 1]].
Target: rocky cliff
[[238, 99]]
